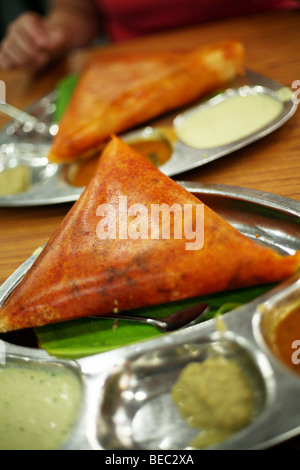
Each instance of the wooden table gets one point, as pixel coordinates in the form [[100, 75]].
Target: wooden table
[[272, 164]]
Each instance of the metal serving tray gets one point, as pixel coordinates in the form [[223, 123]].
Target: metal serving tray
[[126, 392], [49, 182]]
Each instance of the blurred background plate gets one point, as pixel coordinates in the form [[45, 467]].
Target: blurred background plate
[[50, 184]]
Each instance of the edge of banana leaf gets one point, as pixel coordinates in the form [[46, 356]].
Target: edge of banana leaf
[[88, 336]]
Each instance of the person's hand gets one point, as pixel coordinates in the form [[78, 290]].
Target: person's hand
[[30, 41]]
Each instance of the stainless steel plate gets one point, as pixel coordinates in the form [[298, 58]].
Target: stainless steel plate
[[127, 389], [48, 184], [55, 188]]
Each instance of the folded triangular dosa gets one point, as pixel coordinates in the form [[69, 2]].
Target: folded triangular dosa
[[119, 91], [83, 272]]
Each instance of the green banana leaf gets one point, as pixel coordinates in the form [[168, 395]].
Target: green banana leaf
[[87, 336], [64, 89]]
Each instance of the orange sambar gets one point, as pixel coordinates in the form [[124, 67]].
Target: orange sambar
[[157, 151]]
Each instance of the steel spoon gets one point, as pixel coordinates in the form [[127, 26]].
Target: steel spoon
[[180, 319]]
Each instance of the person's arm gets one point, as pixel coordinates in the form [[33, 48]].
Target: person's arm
[[32, 40], [79, 19]]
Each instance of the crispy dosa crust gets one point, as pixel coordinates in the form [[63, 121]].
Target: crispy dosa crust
[[79, 274], [117, 93]]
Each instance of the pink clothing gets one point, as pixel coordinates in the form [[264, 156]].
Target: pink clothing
[[125, 19]]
